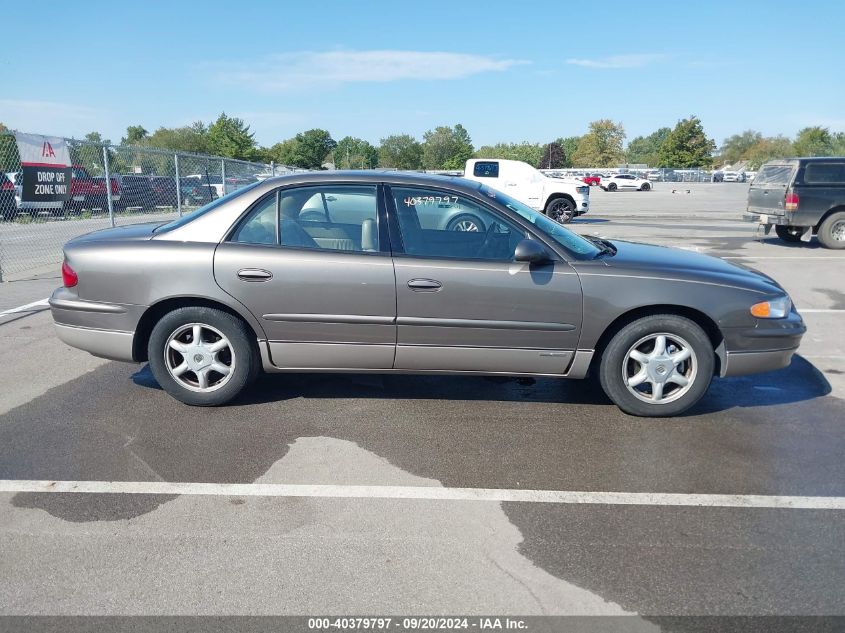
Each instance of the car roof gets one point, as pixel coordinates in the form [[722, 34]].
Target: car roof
[[375, 176]]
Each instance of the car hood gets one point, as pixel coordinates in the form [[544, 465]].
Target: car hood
[[635, 258], [142, 231]]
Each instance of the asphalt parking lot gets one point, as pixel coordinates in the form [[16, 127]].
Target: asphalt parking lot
[[358, 495]]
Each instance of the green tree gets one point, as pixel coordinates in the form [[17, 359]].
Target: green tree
[[135, 135], [230, 137], [554, 156], [312, 148], [189, 138], [9, 159], [645, 149], [687, 146], [284, 152], [601, 146], [814, 141], [530, 153], [767, 149], [446, 147], [355, 153], [569, 145], [839, 144], [735, 148], [400, 151]]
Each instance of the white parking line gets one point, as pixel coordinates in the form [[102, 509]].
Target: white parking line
[[422, 493], [819, 310], [779, 257], [25, 308]]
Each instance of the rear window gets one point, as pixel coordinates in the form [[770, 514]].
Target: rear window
[[774, 175], [824, 173], [486, 170]]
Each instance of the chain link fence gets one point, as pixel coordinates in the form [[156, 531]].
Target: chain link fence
[[111, 185]]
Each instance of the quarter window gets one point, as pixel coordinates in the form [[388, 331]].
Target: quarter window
[[436, 223]]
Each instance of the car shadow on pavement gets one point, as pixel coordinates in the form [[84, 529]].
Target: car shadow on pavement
[[798, 382]]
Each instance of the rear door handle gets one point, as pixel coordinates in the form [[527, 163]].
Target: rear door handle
[[254, 274], [424, 285]]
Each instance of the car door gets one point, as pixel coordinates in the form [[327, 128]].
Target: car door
[[321, 284], [464, 304]]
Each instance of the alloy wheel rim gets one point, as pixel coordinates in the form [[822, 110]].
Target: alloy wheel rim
[[660, 368], [466, 225], [561, 211], [199, 357], [837, 231]]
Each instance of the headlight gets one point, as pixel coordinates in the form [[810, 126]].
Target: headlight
[[773, 308]]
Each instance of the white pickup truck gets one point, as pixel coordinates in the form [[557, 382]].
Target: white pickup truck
[[558, 198]]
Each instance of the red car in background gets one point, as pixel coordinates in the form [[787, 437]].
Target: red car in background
[[594, 180], [89, 192]]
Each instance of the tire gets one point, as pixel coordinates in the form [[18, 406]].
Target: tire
[[790, 233], [645, 187], [177, 328], [611, 186], [618, 366], [561, 210], [832, 231], [466, 222]]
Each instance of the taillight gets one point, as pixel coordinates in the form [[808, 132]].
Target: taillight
[[69, 276], [790, 202], [7, 186]]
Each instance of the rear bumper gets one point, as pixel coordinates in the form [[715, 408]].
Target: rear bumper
[[103, 329], [109, 344], [765, 218]]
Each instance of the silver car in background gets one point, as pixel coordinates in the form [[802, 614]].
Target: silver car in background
[[392, 272]]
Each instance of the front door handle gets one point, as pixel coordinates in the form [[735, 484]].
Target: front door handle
[[424, 285], [254, 274]]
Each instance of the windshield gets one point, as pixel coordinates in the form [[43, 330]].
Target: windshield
[[175, 224], [566, 238]]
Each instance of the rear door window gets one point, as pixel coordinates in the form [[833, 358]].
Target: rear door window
[[488, 169], [824, 173], [773, 175]]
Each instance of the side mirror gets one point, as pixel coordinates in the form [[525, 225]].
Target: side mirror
[[531, 251]]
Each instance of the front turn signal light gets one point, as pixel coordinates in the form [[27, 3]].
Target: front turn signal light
[[772, 309]]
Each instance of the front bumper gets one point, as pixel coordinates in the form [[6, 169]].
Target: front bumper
[[767, 347]]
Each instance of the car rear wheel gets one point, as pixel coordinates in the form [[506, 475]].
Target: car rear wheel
[[790, 233], [645, 187], [832, 231], [611, 186], [202, 356], [657, 366], [466, 222], [561, 210]]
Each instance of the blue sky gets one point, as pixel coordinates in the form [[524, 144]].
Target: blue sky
[[508, 71]]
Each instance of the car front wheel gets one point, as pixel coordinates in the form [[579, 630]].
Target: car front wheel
[[645, 187], [202, 356], [611, 186], [658, 366], [561, 210]]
